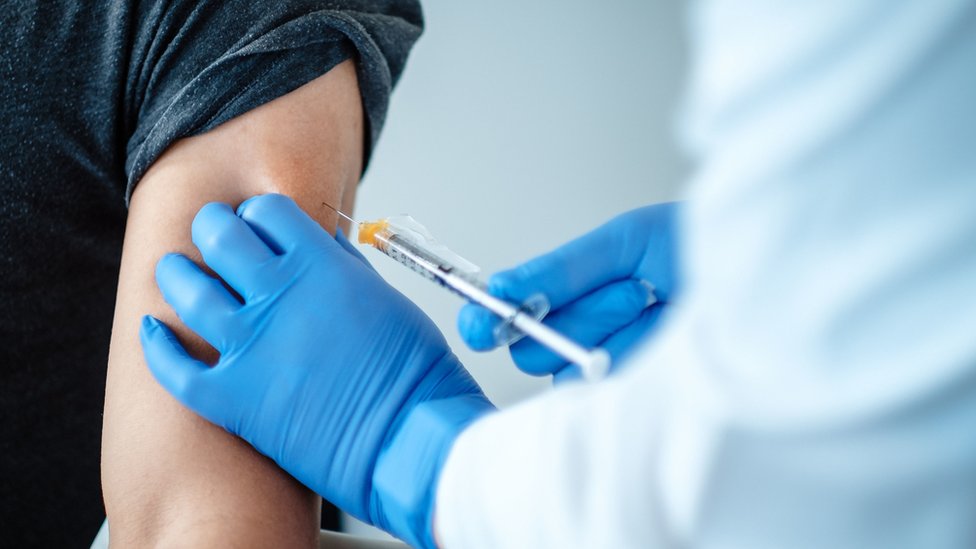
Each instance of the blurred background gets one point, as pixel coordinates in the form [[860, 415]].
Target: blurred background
[[520, 125]]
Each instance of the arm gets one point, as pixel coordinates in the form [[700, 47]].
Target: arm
[[166, 473]]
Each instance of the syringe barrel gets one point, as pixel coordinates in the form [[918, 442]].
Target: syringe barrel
[[414, 257], [593, 363]]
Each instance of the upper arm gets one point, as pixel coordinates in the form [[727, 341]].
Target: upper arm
[[166, 471]]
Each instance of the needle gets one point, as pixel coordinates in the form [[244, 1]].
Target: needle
[[336, 210]]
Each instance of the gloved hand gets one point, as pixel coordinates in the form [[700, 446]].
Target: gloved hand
[[607, 288], [325, 368]]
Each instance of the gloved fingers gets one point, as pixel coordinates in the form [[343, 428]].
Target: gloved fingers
[[587, 321], [180, 374], [349, 247], [200, 301], [477, 327], [624, 341], [619, 345], [569, 372], [574, 269], [607, 305], [282, 225], [231, 248]]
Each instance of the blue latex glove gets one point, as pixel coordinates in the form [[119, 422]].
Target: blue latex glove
[[325, 368], [607, 288]]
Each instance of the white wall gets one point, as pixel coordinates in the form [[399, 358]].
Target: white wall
[[519, 124]]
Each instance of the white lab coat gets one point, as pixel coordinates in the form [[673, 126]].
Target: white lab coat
[[816, 387]]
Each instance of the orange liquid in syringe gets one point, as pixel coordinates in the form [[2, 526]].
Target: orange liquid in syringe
[[368, 230]]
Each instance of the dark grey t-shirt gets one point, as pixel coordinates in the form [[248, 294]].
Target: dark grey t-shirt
[[91, 93]]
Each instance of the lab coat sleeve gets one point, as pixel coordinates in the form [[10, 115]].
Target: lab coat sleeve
[[816, 385], [572, 468], [661, 456]]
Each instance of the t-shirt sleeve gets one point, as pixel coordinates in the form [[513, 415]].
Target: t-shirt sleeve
[[195, 64]]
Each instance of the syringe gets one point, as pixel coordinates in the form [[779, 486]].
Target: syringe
[[409, 243]]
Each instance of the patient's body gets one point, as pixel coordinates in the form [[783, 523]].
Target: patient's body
[[101, 103]]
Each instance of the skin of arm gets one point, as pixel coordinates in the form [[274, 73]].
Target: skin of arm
[[169, 477]]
